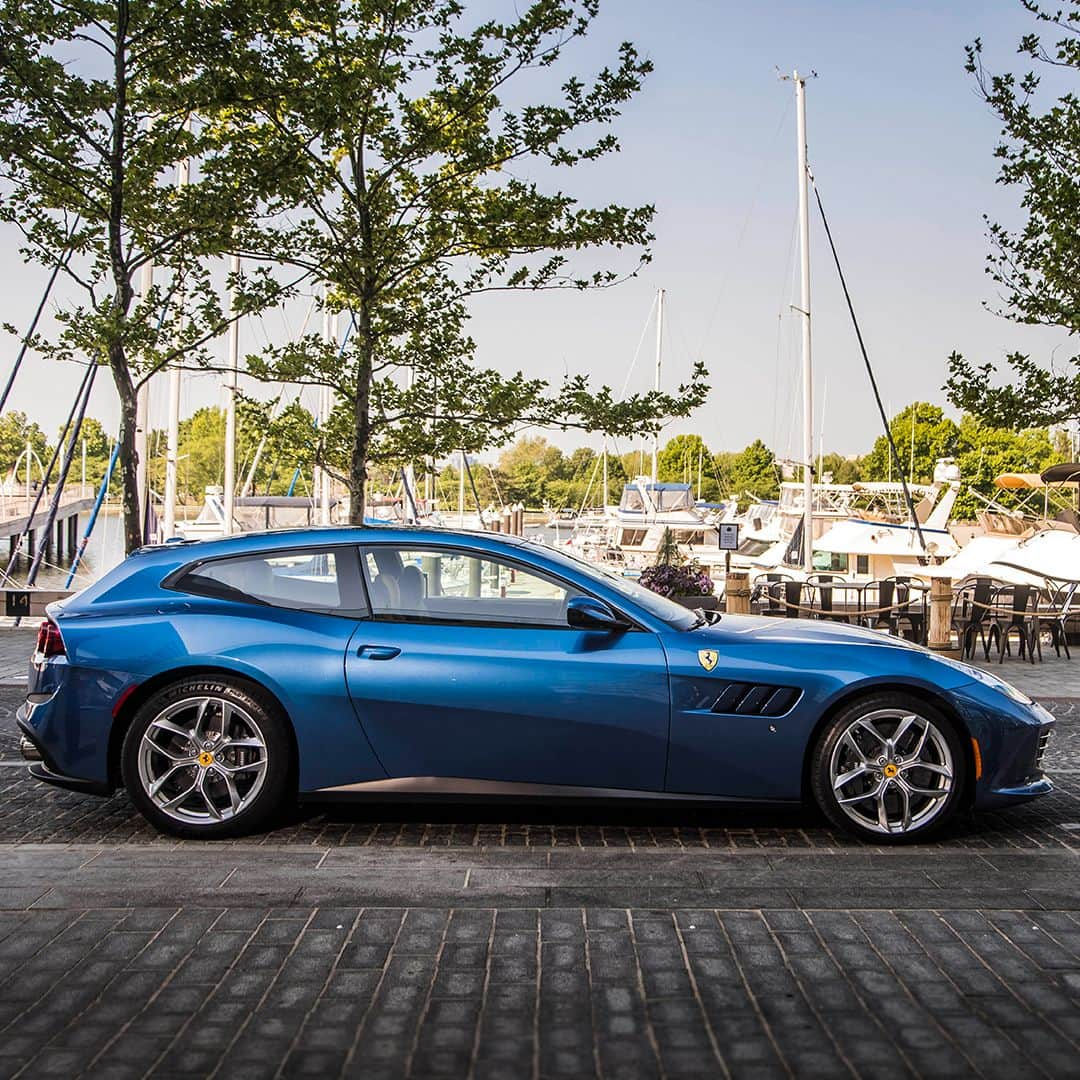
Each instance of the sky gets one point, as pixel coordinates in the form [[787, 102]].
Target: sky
[[901, 148]]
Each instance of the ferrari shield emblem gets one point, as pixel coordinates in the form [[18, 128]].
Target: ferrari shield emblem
[[707, 658]]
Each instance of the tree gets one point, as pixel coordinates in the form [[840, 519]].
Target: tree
[[753, 472], [99, 445], [985, 452], [922, 433], [1034, 268], [528, 469], [16, 432], [843, 470], [683, 459], [100, 103], [418, 199]]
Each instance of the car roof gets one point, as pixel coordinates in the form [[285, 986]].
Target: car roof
[[317, 535]]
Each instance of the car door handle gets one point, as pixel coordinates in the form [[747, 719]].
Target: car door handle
[[378, 652]]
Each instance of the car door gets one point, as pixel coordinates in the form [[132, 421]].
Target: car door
[[467, 669]]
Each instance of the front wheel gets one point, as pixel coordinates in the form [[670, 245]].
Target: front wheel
[[889, 768], [207, 758]]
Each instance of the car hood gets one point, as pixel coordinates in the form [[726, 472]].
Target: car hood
[[761, 630]]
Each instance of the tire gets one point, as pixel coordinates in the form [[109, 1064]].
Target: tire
[[207, 757], [896, 751]]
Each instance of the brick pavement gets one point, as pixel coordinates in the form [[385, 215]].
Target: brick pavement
[[619, 943]]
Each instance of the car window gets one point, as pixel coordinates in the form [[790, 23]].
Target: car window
[[456, 586], [675, 615], [307, 580]]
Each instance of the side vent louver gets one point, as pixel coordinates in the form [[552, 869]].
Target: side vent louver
[[756, 699]]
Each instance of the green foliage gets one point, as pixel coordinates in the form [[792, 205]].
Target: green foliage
[[99, 444], [282, 442], [982, 452], [100, 103], [667, 551], [685, 459], [1035, 268], [752, 471], [16, 430], [985, 452], [843, 470], [418, 197], [922, 427]]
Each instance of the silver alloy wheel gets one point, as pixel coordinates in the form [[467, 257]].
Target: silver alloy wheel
[[891, 771], [202, 760]]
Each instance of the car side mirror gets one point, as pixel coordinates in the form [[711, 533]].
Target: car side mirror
[[588, 613]]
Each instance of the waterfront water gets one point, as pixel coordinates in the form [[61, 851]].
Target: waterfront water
[[103, 551]]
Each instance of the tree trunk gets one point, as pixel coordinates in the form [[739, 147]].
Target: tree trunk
[[129, 457], [365, 348], [123, 292]]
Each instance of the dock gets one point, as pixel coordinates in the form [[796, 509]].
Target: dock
[[62, 540]]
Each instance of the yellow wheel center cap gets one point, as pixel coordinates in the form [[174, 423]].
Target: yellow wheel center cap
[[206, 759], [890, 771]]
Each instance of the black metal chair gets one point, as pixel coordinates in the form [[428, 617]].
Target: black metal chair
[[909, 608], [819, 596], [972, 617], [1017, 614], [767, 593], [1056, 613], [887, 606]]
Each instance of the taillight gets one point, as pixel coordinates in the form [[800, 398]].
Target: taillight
[[49, 641]]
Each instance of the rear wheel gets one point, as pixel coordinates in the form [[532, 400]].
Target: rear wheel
[[207, 758], [889, 768]]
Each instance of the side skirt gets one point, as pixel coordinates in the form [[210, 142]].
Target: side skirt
[[452, 788]]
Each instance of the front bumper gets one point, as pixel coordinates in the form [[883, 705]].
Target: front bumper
[[1012, 739]]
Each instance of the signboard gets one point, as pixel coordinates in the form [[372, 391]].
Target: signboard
[[16, 604], [729, 536]]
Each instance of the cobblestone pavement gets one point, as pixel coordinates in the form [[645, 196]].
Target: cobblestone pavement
[[622, 943]]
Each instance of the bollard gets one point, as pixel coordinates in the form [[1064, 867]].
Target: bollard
[[940, 636], [737, 593], [507, 520]]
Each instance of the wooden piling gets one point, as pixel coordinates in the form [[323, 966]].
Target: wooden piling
[[737, 593], [941, 595]]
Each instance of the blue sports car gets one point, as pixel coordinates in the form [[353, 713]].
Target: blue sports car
[[218, 680]]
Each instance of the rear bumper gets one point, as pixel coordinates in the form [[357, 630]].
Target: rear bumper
[[42, 767]]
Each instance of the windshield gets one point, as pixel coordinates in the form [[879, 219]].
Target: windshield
[[675, 615]]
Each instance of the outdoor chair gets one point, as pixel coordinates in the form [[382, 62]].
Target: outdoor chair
[[973, 607], [764, 592], [784, 598], [909, 608], [1017, 614], [1056, 614], [888, 605], [836, 600]]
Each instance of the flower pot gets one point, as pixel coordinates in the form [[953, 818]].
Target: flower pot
[[708, 603]]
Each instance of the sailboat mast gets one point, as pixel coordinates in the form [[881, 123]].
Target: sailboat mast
[[656, 381], [172, 443], [230, 404], [329, 335], [461, 492], [142, 423], [804, 311]]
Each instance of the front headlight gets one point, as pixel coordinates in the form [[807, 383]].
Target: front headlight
[[987, 679]]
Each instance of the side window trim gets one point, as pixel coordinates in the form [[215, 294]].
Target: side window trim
[[454, 549], [346, 560]]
